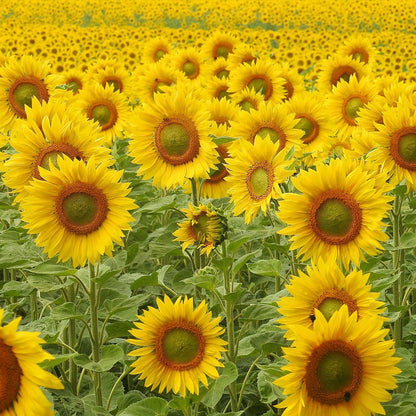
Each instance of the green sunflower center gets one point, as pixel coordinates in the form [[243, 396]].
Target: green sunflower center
[[51, 157], [201, 226], [329, 306], [345, 76], [259, 85], [159, 54], [273, 134], [115, 84], [80, 208], [353, 106], [246, 105], [189, 68], [306, 125], [407, 147], [223, 93], [259, 181], [222, 51], [358, 56], [175, 139], [333, 217], [102, 114], [10, 375], [74, 86], [335, 371], [180, 345], [223, 74], [159, 87], [24, 93]]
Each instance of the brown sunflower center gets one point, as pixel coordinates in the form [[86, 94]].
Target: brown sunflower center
[[403, 147], [259, 180], [342, 72], [333, 372], [180, 345], [289, 90], [351, 109], [51, 154], [10, 375], [177, 140], [309, 127], [23, 90], [360, 55], [331, 300], [81, 208], [336, 217], [104, 112]]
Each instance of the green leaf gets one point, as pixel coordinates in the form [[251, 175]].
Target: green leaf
[[160, 204], [222, 139], [223, 264], [145, 280], [270, 267], [47, 283], [110, 355], [268, 391], [259, 311], [151, 406], [16, 288], [53, 269], [58, 359], [408, 373], [205, 278], [216, 389], [239, 263], [407, 240], [66, 311], [399, 190]]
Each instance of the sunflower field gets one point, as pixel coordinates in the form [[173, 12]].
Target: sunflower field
[[207, 208]]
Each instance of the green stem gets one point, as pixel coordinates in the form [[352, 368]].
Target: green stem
[[240, 399], [34, 305], [95, 341], [72, 340], [118, 381], [195, 202]]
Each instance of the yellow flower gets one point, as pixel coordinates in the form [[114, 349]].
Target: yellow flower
[[179, 346], [20, 374], [341, 367], [78, 211]]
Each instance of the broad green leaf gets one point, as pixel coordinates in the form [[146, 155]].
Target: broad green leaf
[[239, 263], [160, 204], [270, 267], [110, 354], [216, 389], [53, 269], [258, 312], [58, 359], [151, 406], [48, 282], [66, 311]]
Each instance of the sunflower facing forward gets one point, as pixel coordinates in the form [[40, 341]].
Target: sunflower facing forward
[[339, 212], [20, 374], [341, 367], [179, 346], [78, 211]]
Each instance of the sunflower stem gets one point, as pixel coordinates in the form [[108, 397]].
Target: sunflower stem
[[72, 340], [95, 340], [397, 266], [195, 202]]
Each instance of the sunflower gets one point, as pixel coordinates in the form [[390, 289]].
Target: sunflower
[[69, 83], [3, 142], [325, 287], [339, 67], [217, 68], [273, 120], [247, 99], [220, 44], [155, 79], [255, 172], [21, 375], [78, 211], [261, 76], [345, 102], [113, 74], [341, 367], [203, 226], [38, 146], [311, 118], [155, 49], [371, 114], [294, 83], [179, 346], [395, 144], [108, 108], [216, 88], [170, 139], [359, 48], [20, 81], [190, 62], [241, 54], [339, 212], [222, 111]]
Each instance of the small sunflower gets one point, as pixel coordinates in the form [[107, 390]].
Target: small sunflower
[[155, 49], [20, 81], [203, 226], [294, 83], [341, 367], [217, 68], [78, 211], [190, 62], [20, 374], [339, 67], [241, 54], [38, 147], [179, 346], [171, 139], [108, 108], [222, 111], [360, 48], [346, 100], [247, 99], [69, 83], [113, 74], [216, 88], [220, 44], [255, 172], [324, 287], [261, 76], [395, 144], [273, 120], [338, 212]]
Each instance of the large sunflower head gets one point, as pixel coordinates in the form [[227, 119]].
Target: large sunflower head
[[179, 346], [171, 139], [359, 48], [220, 44], [204, 226], [338, 212], [255, 172], [38, 146], [341, 367], [324, 287], [79, 210], [21, 81], [21, 377]]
